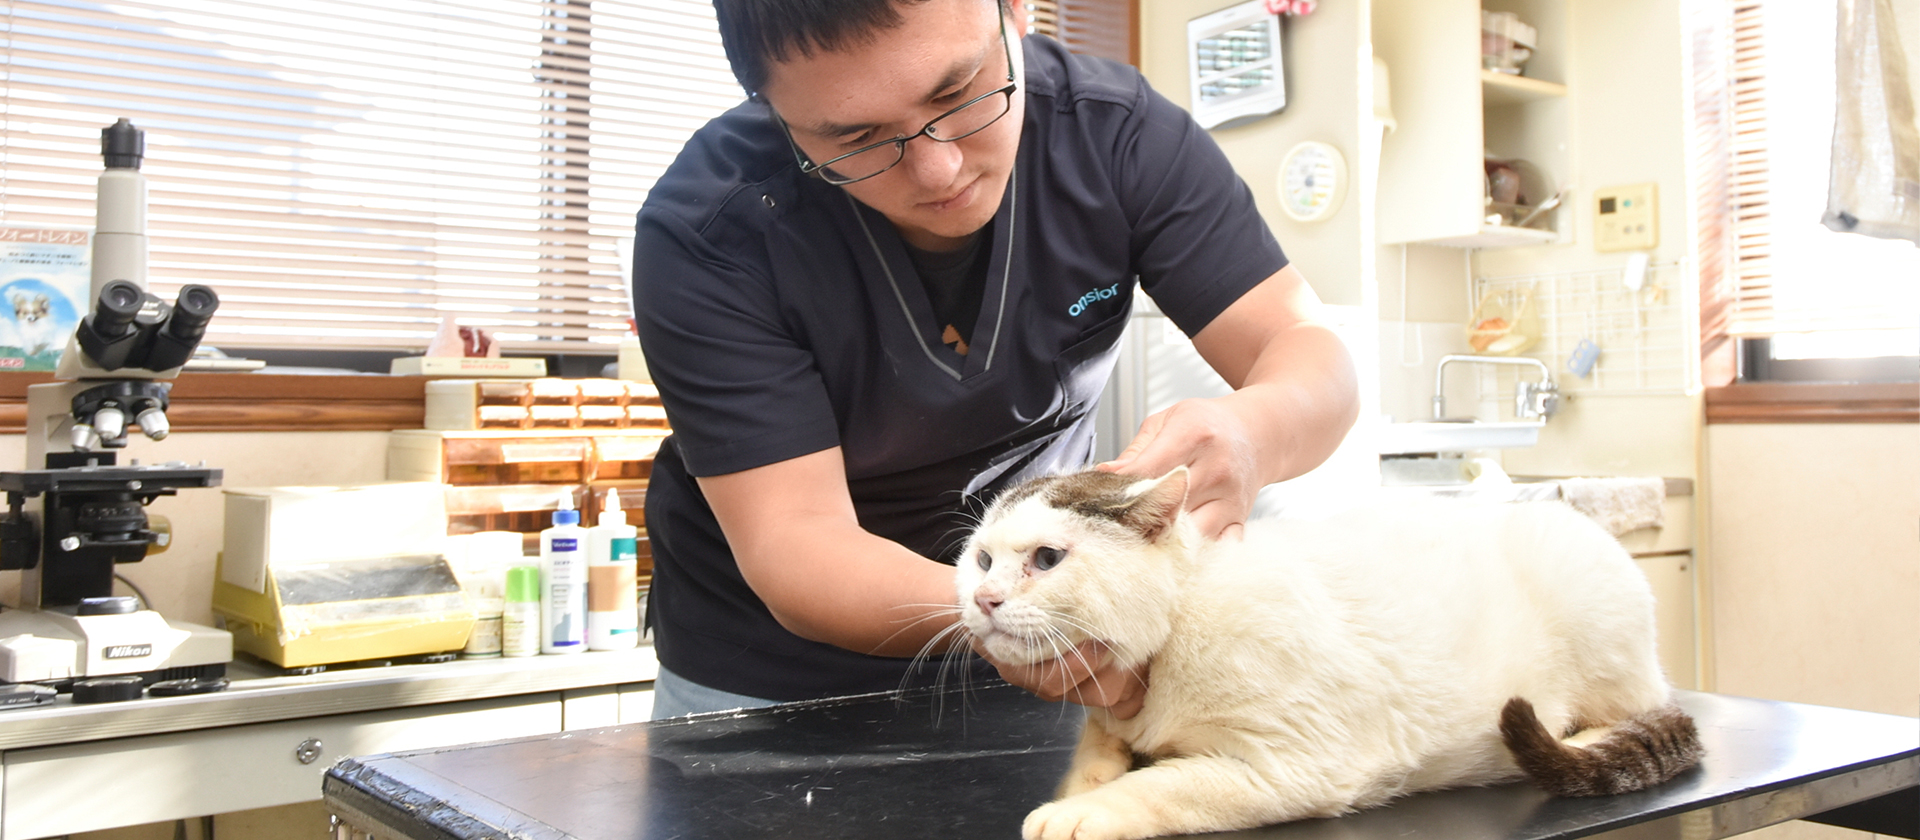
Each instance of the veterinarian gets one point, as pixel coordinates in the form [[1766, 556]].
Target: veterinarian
[[893, 282]]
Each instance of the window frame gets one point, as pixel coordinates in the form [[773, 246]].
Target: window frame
[[1742, 382]]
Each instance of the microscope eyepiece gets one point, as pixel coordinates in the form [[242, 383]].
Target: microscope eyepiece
[[119, 304], [123, 145], [191, 311]]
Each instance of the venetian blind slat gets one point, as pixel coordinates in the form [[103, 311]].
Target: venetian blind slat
[[345, 183]]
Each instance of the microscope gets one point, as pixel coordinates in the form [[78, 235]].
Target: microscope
[[76, 513]]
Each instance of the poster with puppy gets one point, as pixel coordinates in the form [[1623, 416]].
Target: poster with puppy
[[44, 280]]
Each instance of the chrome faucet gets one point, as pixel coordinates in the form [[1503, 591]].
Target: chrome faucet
[[1530, 399]]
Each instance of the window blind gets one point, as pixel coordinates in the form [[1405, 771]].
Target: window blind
[[347, 174], [1786, 274], [1093, 27], [1751, 218], [1710, 170]]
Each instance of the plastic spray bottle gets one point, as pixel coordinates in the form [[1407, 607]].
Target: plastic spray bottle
[[563, 582], [613, 613]]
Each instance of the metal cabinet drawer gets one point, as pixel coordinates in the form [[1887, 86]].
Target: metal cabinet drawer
[[50, 791]]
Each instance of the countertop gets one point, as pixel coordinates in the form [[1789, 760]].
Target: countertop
[[257, 694], [963, 764]]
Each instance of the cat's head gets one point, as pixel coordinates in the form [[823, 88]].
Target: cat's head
[[1062, 559]]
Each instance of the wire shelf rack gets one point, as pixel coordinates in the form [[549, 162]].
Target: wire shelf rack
[[1642, 335]]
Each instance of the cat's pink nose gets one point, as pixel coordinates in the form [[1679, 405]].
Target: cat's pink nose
[[988, 603]]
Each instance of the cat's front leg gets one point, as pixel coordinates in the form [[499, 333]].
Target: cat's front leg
[[1189, 795], [1100, 758]]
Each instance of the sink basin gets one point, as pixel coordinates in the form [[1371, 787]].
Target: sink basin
[[1405, 438]]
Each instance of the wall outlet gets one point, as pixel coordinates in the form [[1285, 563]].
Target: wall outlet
[[1626, 218]]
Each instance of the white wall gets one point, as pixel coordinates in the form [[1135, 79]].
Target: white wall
[[1816, 564]]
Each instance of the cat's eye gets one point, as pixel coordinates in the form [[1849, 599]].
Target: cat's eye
[[985, 560], [1046, 557]]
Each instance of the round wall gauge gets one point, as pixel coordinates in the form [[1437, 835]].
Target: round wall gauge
[[1313, 180]]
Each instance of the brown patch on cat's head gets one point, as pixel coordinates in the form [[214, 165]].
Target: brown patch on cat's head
[[1148, 507]]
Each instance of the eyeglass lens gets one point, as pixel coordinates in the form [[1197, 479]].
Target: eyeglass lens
[[952, 126]]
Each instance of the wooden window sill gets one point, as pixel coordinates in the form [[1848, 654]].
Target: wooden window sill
[[252, 402], [1814, 402]]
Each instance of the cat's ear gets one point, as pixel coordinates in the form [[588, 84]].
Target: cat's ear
[[1157, 504]]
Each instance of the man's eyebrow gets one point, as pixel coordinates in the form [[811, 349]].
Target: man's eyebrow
[[960, 72]]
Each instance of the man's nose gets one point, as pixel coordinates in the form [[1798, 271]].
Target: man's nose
[[931, 162]]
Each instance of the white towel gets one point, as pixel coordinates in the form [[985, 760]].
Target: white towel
[[1619, 504]]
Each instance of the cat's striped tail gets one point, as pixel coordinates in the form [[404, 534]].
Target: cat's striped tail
[[1639, 752]]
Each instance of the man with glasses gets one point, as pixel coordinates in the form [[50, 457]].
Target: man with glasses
[[892, 283]]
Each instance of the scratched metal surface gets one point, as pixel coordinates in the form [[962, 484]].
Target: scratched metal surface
[[972, 766], [966, 764]]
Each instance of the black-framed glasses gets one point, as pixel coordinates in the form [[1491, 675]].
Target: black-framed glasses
[[958, 123]]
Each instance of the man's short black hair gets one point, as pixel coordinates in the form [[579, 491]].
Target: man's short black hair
[[757, 33]]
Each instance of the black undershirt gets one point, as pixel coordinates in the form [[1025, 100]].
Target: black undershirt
[[955, 281]]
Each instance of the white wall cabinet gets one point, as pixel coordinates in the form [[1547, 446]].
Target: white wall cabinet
[[1665, 555], [267, 741], [53, 791], [1452, 115]]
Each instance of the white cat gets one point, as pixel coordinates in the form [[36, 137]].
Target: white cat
[[1316, 667]]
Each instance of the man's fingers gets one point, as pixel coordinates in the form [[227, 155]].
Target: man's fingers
[[1217, 519], [1149, 432], [1085, 675], [1054, 679]]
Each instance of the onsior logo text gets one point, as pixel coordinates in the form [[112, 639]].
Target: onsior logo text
[[1094, 296]]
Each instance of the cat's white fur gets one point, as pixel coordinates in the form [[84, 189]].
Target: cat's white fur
[[1312, 667]]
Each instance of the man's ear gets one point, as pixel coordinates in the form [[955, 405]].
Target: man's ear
[[1017, 18], [1155, 508]]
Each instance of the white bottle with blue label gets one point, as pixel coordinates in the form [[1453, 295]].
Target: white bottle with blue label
[[563, 582]]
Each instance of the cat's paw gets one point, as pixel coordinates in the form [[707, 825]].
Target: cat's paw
[[1083, 779], [1074, 819]]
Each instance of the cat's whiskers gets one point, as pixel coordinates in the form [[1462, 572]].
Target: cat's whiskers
[[934, 611], [961, 635]]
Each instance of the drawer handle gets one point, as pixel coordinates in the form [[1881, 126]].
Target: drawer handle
[[309, 751]]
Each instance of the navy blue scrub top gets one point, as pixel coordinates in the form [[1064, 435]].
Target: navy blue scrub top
[[780, 317]]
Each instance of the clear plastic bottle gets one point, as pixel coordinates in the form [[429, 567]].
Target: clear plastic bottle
[[563, 582], [613, 612], [520, 615]]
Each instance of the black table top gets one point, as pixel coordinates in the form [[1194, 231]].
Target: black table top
[[973, 763]]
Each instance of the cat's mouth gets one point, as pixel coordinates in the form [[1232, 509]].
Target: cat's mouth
[[1012, 649], [1018, 645]]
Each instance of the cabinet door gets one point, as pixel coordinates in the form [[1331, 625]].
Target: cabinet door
[[51, 791], [1432, 181], [1672, 578]]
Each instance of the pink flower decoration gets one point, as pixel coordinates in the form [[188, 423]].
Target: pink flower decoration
[[1297, 8]]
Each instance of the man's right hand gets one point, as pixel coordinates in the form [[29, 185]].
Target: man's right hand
[[1086, 675]]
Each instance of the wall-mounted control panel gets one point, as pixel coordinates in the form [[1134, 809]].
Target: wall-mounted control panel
[[1626, 218]]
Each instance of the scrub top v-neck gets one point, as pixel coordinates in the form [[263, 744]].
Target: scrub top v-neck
[[781, 317]]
